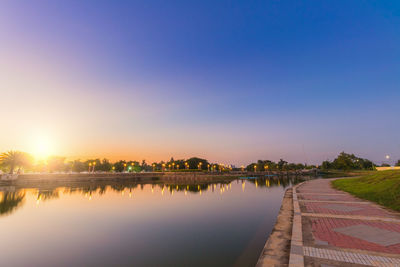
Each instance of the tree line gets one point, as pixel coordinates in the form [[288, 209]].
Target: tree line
[[15, 161]]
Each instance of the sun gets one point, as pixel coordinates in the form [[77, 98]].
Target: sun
[[42, 146]]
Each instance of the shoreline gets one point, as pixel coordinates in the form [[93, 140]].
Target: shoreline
[[277, 248], [48, 180]]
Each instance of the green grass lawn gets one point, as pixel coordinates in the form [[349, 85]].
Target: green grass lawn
[[381, 187], [341, 173]]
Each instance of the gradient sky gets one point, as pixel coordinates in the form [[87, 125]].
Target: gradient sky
[[231, 81]]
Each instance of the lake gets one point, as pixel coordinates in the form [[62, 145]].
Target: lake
[[154, 224]]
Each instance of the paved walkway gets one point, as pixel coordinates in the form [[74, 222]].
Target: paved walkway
[[333, 228]]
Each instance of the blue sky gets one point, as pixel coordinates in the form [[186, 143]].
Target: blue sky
[[233, 81]]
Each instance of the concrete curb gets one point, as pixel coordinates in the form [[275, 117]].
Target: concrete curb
[[296, 257]]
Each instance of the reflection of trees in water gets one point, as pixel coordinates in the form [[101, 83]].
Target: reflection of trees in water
[[283, 181], [48, 194], [10, 201], [101, 188]]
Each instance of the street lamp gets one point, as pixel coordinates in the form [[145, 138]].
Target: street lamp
[[90, 166], [154, 167], [124, 167], [255, 168]]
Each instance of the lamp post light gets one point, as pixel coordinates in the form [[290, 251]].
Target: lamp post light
[[132, 166], [163, 167], [208, 167], [173, 165], [154, 167], [124, 167], [169, 167], [242, 168], [113, 168], [90, 166], [94, 165], [266, 167], [255, 168]]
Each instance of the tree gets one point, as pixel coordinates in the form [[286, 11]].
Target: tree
[[15, 159], [56, 164], [78, 166], [194, 163], [105, 165], [282, 164], [119, 165], [346, 161]]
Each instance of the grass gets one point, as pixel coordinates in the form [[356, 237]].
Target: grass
[[381, 187], [341, 173]]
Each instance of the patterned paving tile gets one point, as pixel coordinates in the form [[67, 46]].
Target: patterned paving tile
[[341, 207], [375, 235], [345, 209], [350, 257], [325, 229], [339, 222], [327, 197]]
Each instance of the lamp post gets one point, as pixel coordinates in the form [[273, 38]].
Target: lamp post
[[124, 167], [266, 167], [208, 167], [255, 167], [177, 166], [163, 167], [90, 166], [154, 167], [113, 168], [94, 165]]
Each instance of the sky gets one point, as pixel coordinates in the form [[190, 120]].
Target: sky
[[230, 81]]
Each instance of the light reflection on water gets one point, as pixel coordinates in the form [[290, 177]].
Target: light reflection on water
[[153, 224]]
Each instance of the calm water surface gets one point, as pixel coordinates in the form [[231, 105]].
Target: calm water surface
[[215, 224]]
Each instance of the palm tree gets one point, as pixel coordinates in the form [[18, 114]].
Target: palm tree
[[14, 159], [11, 201]]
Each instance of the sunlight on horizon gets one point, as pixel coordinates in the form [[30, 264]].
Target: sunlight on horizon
[[42, 146]]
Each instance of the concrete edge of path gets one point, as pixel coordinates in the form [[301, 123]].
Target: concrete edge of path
[[277, 248]]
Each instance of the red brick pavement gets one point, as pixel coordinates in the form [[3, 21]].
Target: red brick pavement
[[364, 209], [328, 197], [323, 229]]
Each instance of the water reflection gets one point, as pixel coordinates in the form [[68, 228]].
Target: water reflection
[[140, 224], [11, 200]]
